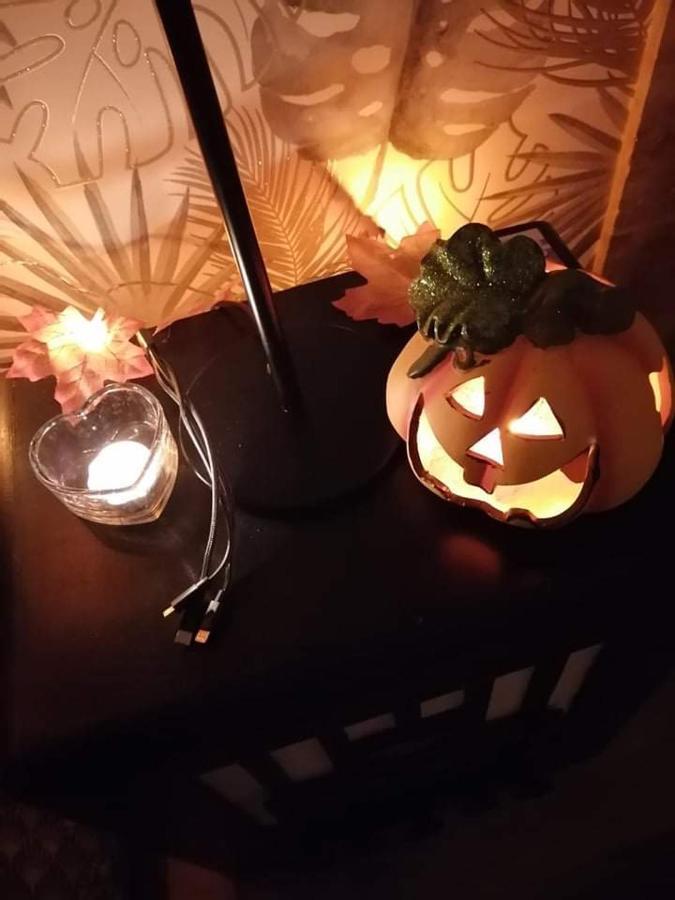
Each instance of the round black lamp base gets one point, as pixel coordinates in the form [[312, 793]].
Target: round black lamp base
[[277, 460]]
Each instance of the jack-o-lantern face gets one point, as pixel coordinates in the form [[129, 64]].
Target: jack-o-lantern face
[[537, 435]]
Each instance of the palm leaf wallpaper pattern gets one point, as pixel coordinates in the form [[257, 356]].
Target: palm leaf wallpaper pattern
[[301, 213], [573, 188], [129, 278], [343, 113]]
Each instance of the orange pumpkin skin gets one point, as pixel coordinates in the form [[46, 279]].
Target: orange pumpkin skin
[[610, 395]]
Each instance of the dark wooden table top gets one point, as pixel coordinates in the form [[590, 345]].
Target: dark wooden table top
[[366, 592]]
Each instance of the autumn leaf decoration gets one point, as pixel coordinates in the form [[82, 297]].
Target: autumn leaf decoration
[[389, 273], [81, 353]]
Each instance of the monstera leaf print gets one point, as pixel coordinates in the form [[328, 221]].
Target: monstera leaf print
[[332, 95], [385, 73], [456, 89], [17, 59]]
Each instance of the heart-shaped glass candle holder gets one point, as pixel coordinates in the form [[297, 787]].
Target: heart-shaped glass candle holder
[[114, 461]]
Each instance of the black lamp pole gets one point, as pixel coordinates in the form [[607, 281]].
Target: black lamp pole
[[182, 32], [329, 434]]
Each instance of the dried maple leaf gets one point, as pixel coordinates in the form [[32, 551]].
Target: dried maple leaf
[[81, 353], [389, 273]]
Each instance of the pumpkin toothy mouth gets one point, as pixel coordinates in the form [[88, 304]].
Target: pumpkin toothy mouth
[[543, 501]]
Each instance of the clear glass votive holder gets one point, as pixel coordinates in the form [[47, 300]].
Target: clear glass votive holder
[[114, 461]]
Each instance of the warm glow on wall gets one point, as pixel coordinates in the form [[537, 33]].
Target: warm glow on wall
[[398, 192]]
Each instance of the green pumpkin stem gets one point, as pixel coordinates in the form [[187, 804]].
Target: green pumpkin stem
[[475, 294]]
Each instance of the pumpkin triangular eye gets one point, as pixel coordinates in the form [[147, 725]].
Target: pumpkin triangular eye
[[469, 397], [538, 422]]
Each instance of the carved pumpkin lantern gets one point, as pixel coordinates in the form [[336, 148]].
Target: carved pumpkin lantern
[[531, 395]]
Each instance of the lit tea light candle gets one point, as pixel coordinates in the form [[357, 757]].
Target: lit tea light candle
[[120, 465]]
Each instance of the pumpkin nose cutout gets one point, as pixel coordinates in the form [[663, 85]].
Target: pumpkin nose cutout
[[489, 448]]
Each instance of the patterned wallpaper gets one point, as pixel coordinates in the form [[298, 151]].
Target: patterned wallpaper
[[341, 112]]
